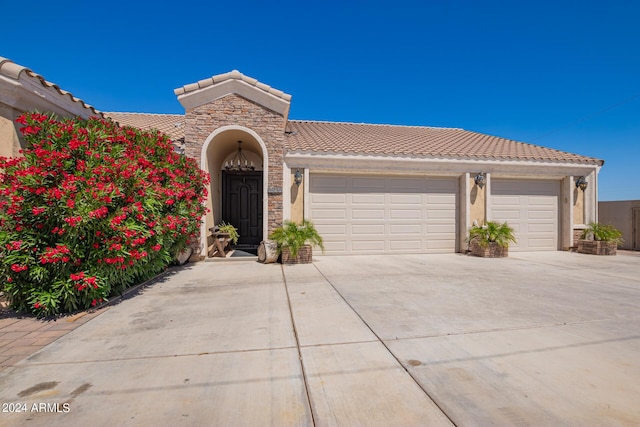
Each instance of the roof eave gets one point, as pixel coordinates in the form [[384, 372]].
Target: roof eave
[[24, 90], [208, 90], [443, 164]]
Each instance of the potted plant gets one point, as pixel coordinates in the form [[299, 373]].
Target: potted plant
[[295, 242], [599, 239], [491, 240], [229, 229]]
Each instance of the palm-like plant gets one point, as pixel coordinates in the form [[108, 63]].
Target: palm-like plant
[[603, 233], [294, 236], [223, 227], [501, 234]]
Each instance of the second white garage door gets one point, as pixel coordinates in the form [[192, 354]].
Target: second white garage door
[[357, 214], [531, 208]]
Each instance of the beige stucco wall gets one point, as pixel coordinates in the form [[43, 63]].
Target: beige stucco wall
[[578, 206], [9, 134], [477, 202], [620, 215], [297, 199]]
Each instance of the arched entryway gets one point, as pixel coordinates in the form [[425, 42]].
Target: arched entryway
[[236, 197]]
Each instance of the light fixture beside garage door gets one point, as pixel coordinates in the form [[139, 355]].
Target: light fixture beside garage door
[[582, 183], [480, 180], [297, 177]]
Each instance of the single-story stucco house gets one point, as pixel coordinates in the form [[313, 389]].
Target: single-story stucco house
[[370, 188]]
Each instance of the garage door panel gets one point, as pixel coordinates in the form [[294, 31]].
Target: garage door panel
[[405, 199], [329, 198], [440, 199], [337, 229], [368, 245], [440, 246], [386, 214], [505, 200], [321, 214], [334, 246], [440, 214], [544, 227], [405, 214], [535, 244], [505, 215], [449, 229], [414, 245], [367, 229], [364, 198], [541, 201], [405, 228], [358, 213], [543, 215]]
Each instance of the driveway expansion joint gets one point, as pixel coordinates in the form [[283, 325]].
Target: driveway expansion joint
[[295, 333], [505, 329], [160, 356], [402, 365]]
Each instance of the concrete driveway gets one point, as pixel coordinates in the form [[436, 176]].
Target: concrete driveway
[[535, 339]]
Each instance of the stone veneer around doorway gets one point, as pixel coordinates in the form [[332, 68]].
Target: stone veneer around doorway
[[233, 109]]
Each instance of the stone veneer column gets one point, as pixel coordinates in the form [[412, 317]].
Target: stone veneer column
[[232, 109]]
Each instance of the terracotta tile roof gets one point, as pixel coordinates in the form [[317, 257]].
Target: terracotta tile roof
[[415, 141], [11, 70], [171, 125], [232, 75], [382, 140]]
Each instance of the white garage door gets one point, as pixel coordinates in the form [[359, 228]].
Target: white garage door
[[531, 208], [357, 214]]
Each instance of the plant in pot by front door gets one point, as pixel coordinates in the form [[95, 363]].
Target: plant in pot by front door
[[229, 229], [599, 239], [296, 241], [491, 240]]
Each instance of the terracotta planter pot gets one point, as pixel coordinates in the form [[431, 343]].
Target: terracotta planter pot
[[597, 247], [304, 256], [492, 250]]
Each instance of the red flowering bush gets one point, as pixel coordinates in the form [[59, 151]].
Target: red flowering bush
[[91, 209]]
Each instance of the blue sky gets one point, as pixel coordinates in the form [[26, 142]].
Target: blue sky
[[562, 74]]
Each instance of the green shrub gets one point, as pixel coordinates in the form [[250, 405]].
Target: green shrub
[[91, 209], [223, 227], [601, 232], [295, 236], [502, 234]]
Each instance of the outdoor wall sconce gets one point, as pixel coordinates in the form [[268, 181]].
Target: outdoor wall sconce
[[582, 183], [297, 177], [480, 180]]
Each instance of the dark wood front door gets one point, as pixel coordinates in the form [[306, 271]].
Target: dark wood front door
[[242, 205]]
